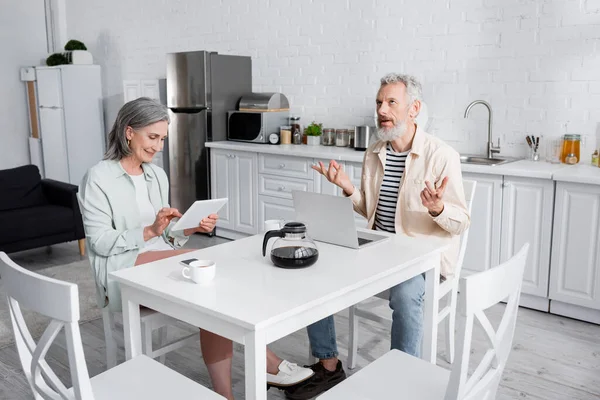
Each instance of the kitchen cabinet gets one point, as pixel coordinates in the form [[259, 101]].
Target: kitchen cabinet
[[527, 208], [575, 264], [483, 246], [233, 175]]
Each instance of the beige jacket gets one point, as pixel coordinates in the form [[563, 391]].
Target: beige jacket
[[429, 159]]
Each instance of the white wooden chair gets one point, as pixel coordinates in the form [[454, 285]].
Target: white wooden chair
[[399, 375], [139, 378], [150, 320], [448, 290]]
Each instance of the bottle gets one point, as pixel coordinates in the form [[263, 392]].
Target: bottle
[[595, 159]]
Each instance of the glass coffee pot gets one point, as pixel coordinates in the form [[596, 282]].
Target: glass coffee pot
[[293, 249]]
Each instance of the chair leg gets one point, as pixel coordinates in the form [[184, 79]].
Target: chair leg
[[82, 247], [109, 339], [147, 339], [450, 329], [162, 341], [353, 337]]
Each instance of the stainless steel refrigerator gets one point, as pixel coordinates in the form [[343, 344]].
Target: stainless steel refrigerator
[[201, 87]]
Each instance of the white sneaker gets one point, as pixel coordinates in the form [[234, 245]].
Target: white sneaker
[[289, 374]]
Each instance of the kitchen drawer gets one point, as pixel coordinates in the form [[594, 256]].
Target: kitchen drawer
[[354, 171], [282, 186], [295, 167], [274, 208]]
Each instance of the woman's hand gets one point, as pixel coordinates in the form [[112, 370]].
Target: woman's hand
[[163, 218], [206, 225]]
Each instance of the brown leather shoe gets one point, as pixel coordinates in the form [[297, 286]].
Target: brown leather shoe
[[320, 382]]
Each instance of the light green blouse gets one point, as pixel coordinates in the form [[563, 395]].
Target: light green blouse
[[111, 219]]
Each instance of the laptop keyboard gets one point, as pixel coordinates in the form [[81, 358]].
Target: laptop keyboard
[[362, 241]]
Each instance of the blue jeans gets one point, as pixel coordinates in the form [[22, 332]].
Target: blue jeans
[[406, 301]]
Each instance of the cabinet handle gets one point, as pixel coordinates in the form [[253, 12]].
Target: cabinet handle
[[505, 184], [281, 166], [281, 188]]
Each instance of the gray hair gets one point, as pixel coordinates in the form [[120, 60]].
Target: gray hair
[[413, 87], [136, 114]]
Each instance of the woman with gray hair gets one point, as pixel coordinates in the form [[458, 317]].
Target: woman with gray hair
[[128, 222]]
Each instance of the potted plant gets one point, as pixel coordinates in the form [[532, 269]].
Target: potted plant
[[313, 134]]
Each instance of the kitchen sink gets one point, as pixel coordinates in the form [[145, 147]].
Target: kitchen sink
[[482, 160]]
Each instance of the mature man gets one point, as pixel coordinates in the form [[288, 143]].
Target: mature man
[[411, 184]]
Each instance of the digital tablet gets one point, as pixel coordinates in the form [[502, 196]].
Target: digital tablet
[[200, 209]]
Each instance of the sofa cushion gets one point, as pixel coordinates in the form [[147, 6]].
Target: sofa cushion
[[34, 222], [21, 187]]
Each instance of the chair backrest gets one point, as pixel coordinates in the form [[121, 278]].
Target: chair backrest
[[469, 188], [478, 292], [60, 302]]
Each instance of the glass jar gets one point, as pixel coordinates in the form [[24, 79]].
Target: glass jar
[[351, 137], [296, 128], [285, 134], [571, 149], [297, 136], [342, 138], [554, 151], [328, 137]]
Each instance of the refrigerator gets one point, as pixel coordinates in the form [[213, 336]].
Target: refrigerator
[[201, 86], [71, 126]]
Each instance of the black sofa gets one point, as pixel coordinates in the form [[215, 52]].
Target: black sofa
[[36, 212]]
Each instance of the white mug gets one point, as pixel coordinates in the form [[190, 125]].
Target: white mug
[[273, 225], [201, 271]]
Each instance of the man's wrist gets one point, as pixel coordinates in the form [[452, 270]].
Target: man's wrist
[[436, 211]]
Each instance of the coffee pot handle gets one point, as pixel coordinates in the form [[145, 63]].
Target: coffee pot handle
[[269, 235]]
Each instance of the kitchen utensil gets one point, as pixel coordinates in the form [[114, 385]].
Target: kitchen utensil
[[293, 249], [362, 137]]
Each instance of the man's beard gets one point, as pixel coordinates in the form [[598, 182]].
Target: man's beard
[[393, 133]]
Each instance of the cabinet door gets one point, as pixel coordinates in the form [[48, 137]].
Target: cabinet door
[[221, 177], [244, 182], [527, 207], [483, 247], [575, 272], [54, 145], [322, 185], [354, 171], [49, 87], [274, 208]]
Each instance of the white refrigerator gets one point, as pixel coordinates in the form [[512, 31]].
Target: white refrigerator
[[69, 100]]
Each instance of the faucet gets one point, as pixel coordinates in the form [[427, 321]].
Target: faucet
[[491, 149]]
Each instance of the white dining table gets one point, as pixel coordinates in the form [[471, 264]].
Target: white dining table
[[252, 302]]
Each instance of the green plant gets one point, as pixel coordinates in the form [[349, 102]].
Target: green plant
[[75, 45], [314, 129], [56, 59]]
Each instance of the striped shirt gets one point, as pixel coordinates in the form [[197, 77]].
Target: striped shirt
[[385, 216]]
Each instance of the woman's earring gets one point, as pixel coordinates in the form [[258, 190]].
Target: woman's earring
[[128, 141]]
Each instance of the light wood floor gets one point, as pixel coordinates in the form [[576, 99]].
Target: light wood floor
[[553, 358]]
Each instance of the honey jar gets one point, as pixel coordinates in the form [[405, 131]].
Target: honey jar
[[571, 149]]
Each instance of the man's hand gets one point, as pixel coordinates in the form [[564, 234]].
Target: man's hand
[[336, 175], [432, 198], [206, 225]]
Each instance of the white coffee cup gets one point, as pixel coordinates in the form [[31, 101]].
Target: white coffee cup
[[201, 271], [273, 225]]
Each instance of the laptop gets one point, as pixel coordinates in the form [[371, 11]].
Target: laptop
[[330, 219]]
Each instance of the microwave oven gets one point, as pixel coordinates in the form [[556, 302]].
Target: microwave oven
[[252, 126]]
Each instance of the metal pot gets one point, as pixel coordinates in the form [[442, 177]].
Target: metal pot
[[362, 137]]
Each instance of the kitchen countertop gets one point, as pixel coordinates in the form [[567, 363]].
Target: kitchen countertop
[[520, 168], [580, 173]]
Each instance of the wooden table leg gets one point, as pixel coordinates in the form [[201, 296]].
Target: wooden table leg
[[82, 247], [255, 357]]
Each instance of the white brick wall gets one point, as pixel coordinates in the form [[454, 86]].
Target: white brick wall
[[536, 61], [23, 43]]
